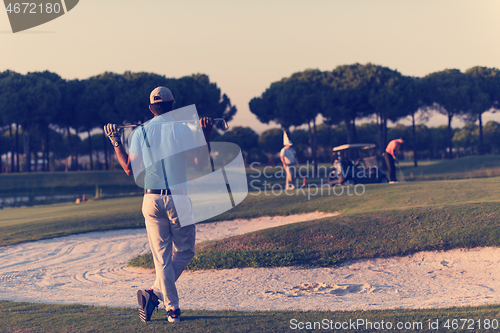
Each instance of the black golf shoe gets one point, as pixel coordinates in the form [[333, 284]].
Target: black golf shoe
[[148, 302]]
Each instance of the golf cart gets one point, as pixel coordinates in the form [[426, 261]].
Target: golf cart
[[357, 163]]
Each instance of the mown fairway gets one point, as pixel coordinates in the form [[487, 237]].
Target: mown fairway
[[462, 168], [25, 317], [56, 220], [55, 182], [32, 223]]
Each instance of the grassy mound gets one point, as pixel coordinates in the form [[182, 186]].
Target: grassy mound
[[386, 220], [332, 241]]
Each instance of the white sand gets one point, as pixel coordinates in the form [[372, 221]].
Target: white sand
[[90, 269]]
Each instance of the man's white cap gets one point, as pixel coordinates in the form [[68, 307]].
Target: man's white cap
[[160, 94], [286, 141]]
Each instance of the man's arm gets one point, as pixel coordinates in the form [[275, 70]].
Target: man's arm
[[124, 159], [282, 154], [396, 151], [114, 136]]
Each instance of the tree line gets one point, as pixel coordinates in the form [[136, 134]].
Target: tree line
[[350, 93], [44, 114], [432, 141]]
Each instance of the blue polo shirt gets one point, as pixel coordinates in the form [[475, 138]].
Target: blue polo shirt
[[158, 147]]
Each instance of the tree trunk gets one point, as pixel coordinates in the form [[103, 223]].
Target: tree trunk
[[45, 149], [35, 160], [17, 148], [76, 144], [384, 129], [381, 142], [450, 137], [1, 165], [245, 157], [71, 149], [27, 147], [11, 144], [105, 138], [90, 151], [415, 163], [311, 143], [354, 132], [47, 152], [349, 131], [315, 149], [383, 133], [481, 139], [44, 143]]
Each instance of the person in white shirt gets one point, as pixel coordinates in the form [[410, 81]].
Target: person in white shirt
[[160, 152], [287, 156]]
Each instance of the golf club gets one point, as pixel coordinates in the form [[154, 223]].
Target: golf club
[[401, 173], [187, 121]]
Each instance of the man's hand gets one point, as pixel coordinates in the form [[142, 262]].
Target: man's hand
[[112, 132], [207, 124]]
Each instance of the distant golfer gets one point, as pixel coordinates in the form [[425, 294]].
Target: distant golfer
[[287, 156], [171, 244], [390, 157]]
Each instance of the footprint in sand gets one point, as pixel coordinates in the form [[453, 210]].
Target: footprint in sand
[[307, 289], [446, 264]]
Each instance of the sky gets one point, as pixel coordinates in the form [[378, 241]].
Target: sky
[[245, 45]]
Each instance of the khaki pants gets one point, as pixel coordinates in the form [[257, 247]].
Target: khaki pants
[[164, 233]]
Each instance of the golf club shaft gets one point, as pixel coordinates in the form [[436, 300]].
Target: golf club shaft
[[187, 121], [402, 174]]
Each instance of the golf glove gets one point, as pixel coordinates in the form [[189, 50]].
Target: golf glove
[[112, 132]]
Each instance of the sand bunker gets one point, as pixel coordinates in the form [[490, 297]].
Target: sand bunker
[[90, 269]]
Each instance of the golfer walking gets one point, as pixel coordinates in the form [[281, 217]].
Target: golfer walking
[[390, 157], [287, 156], [172, 246]]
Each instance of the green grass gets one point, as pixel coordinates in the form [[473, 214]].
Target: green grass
[[376, 197], [461, 168], [85, 181], [332, 241], [387, 220], [32, 223], [47, 318], [57, 182]]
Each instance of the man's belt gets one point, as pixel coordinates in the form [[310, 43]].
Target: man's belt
[[165, 192]]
